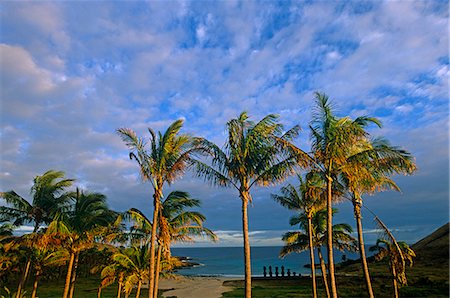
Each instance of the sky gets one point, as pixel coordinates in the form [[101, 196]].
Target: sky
[[74, 72]]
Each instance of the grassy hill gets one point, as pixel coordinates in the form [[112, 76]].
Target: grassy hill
[[433, 250]]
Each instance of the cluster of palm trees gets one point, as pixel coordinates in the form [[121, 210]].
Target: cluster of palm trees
[[343, 162], [71, 219], [67, 224]]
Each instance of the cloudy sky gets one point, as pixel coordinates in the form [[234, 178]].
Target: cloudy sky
[[74, 72]]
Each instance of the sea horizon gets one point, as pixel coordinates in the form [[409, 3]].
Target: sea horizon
[[229, 261]]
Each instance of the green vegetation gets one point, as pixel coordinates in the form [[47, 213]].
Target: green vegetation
[[85, 287], [161, 164], [83, 239], [352, 285]]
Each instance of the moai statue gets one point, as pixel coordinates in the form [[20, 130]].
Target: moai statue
[[270, 271], [276, 271], [289, 272], [294, 273], [282, 271], [264, 271]]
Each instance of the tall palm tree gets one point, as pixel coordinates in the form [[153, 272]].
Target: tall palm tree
[[299, 241], [49, 197], [176, 224], [333, 143], [305, 198], [163, 162], [367, 172], [255, 154]]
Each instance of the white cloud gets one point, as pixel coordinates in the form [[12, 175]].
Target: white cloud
[[72, 74]]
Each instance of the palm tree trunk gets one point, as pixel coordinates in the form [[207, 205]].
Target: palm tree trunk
[[99, 292], [74, 275], [138, 291], [248, 271], [311, 256], [35, 285], [330, 238], [68, 276], [394, 280], [119, 290], [24, 277], [158, 268], [151, 273], [324, 271], [357, 210]]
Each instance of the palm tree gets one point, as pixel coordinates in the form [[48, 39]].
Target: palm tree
[[255, 154], [176, 224], [163, 162], [333, 143], [367, 172], [109, 274], [306, 198], [77, 228], [135, 261], [41, 246], [397, 253], [49, 197], [299, 241]]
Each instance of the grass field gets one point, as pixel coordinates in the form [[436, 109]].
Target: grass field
[[84, 288], [423, 281]]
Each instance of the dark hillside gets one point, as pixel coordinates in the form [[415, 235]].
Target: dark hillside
[[434, 248]]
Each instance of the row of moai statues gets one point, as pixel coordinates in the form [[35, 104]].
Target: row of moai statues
[[277, 274]]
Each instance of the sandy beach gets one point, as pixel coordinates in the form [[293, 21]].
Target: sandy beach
[[184, 287]]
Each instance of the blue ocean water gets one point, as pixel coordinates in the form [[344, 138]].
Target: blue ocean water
[[229, 261]]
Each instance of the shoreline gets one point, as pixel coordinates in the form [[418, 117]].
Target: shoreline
[[195, 286]]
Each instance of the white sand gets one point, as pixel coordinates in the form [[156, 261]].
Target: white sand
[[201, 287]]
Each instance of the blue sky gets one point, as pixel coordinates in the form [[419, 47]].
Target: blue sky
[[74, 72]]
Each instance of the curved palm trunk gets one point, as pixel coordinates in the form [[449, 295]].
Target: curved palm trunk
[[24, 278], [158, 269], [357, 210], [138, 291], [74, 275], [248, 270], [311, 256], [330, 238], [99, 292], [151, 273], [119, 290], [324, 271], [35, 285], [68, 276], [394, 279]]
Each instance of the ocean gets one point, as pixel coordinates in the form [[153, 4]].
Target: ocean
[[229, 261]]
